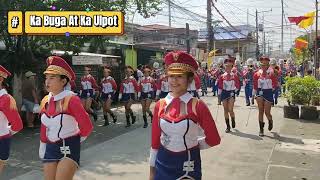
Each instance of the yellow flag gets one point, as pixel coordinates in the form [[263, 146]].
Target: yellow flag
[[212, 53], [308, 22]]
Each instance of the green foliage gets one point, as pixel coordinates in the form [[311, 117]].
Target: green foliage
[[301, 90], [23, 52]]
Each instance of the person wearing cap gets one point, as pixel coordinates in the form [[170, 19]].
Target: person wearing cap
[[108, 90], [8, 115], [29, 97], [147, 85], [64, 123], [277, 72], [228, 85], [248, 81], [128, 90], [264, 83], [88, 87], [178, 119]]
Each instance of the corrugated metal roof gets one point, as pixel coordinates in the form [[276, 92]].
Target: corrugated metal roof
[[228, 33]]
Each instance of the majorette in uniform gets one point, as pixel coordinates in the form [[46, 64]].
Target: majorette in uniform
[[108, 90], [64, 121], [88, 86], [147, 86], [248, 81], [264, 83], [8, 115], [213, 79], [195, 86], [176, 145], [237, 69], [228, 85], [218, 72], [128, 89], [162, 87], [277, 72]]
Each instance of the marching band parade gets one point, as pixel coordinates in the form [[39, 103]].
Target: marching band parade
[[204, 97]]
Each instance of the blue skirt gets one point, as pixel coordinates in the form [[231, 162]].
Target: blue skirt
[[5, 148], [56, 151], [163, 94], [85, 94], [169, 165], [225, 95], [266, 94], [149, 95], [127, 96], [107, 96]]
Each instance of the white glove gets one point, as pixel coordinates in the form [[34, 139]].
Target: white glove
[[254, 92], [120, 96], [83, 138], [11, 131], [42, 149], [36, 108], [139, 95]]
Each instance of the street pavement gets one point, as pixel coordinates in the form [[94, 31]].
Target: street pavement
[[290, 152]]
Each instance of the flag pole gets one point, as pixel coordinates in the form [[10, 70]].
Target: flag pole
[[316, 62]]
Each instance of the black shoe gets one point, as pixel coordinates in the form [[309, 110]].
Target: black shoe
[[133, 119], [270, 125], [95, 117], [261, 133], [106, 120], [151, 116], [202, 94], [233, 123], [276, 102], [252, 101], [114, 117], [145, 125], [128, 121], [248, 104], [228, 126]]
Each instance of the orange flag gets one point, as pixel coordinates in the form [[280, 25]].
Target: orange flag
[[301, 43]]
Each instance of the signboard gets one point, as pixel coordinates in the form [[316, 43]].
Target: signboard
[[87, 60]]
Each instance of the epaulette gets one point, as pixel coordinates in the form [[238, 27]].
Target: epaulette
[[13, 104], [44, 101], [66, 101]]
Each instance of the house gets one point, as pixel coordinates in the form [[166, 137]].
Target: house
[[239, 41]]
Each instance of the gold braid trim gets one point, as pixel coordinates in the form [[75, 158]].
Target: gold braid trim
[[66, 101], [180, 67], [43, 102], [13, 104], [57, 70], [2, 74]]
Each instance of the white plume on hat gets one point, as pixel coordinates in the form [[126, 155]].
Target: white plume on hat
[[273, 61], [249, 61], [156, 65], [220, 61]]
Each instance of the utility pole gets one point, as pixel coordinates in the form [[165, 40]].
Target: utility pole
[[282, 17], [188, 38], [316, 62], [209, 27], [248, 17], [257, 37], [169, 6]]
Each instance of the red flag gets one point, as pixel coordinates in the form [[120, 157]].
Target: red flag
[[298, 19], [301, 44]]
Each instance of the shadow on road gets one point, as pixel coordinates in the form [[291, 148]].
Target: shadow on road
[[245, 135]]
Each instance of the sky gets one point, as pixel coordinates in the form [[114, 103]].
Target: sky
[[235, 12]]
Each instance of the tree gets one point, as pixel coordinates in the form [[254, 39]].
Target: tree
[[24, 51]]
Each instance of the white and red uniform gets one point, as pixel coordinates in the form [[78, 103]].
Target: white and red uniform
[[228, 84], [70, 125], [88, 82], [128, 88], [264, 82], [162, 87], [147, 87], [195, 85], [8, 114], [108, 85], [174, 133]]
